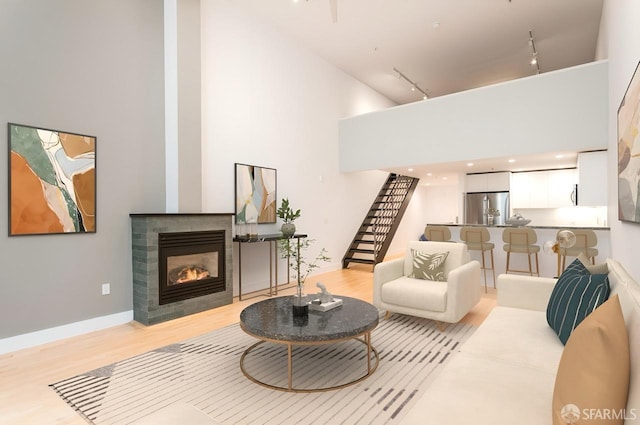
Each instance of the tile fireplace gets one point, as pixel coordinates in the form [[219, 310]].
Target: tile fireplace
[[182, 264]]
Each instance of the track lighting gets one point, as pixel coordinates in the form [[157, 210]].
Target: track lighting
[[414, 86], [534, 54]]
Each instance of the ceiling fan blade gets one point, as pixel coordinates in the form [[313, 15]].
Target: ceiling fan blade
[[334, 10]]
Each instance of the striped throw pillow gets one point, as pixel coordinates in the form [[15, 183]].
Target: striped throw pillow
[[576, 294]]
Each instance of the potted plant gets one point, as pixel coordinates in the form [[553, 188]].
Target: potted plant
[[294, 252], [288, 215]]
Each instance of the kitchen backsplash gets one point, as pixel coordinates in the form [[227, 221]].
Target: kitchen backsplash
[[568, 216]]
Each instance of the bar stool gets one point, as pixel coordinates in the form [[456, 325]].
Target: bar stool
[[437, 233], [477, 239], [521, 240], [586, 240]]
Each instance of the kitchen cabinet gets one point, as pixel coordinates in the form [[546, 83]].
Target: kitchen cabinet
[[520, 190], [488, 182], [592, 179], [543, 189], [561, 188], [476, 183]]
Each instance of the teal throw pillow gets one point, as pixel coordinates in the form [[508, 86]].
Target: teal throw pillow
[[429, 266], [576, 294]]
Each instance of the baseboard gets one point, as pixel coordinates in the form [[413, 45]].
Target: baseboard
[[44, 336]]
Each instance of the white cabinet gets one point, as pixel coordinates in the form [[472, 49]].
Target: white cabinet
[[476, 183], [520, 190], [592, 176], [488, 182], [498, 182], [539, 189], [561, 188], [543, 189]]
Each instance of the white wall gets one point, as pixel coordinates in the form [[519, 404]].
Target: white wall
[[270, 102], [620, 42], [545, 113]]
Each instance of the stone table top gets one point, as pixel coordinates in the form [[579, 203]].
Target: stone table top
[[272, 319]]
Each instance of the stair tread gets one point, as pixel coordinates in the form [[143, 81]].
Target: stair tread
[[359, 260]]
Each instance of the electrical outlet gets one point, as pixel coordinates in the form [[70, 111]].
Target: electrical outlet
[[106, 288]]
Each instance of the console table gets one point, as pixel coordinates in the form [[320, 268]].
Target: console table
[[272, 240]]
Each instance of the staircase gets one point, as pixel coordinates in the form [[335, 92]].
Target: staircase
[[375, 234]]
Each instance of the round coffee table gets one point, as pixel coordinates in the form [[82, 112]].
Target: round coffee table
[[272, 321]]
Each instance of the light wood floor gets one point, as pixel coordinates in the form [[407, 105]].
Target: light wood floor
[[25, 397]]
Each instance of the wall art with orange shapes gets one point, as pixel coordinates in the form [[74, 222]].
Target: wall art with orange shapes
[[52, 181]]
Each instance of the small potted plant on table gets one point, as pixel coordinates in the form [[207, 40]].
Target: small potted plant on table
[[288, 216]]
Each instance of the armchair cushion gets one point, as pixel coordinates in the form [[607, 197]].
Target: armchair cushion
[[414, 293], [429, 266]]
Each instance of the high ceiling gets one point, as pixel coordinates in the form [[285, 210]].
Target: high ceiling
[[443, 46]]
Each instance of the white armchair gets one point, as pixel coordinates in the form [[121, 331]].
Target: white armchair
[[449, 301]]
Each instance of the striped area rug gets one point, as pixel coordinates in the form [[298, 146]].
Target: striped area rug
[[205, 372]]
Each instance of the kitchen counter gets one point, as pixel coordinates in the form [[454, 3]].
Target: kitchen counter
[[548, 262], [528, 225]]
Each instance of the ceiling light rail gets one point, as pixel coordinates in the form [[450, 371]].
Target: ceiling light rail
[[414, 86], [534, 56]]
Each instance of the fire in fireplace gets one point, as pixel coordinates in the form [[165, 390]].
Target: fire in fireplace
[[187, 274], [191, 264]]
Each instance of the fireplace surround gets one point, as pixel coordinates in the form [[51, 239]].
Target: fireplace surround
[[198, 244]]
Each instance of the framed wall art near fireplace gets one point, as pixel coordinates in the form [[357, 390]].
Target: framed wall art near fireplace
[[52, 181], [629, 152], [255, 194]]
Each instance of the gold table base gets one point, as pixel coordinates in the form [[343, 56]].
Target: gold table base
[[370, 369]]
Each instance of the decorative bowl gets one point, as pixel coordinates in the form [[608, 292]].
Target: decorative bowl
[[517, 222]]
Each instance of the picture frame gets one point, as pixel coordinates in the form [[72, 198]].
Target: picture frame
[[629, 151], [255, 193], [52, 181]]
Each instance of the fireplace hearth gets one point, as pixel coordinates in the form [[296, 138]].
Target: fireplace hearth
[[182, 264]]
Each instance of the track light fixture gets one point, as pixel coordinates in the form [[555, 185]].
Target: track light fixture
[[534, 55], [414, 86]]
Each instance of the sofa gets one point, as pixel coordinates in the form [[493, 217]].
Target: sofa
[[397, 290], [506, 371]]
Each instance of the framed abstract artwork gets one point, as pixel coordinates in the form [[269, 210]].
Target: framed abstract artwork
[[52, 181], [255, 194], [629, 152]]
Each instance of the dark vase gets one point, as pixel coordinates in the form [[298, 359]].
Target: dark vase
[[299, 306]]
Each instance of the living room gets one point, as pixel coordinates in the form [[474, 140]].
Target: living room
[[97, 68]]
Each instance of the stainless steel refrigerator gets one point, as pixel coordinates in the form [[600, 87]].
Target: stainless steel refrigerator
[[478, 205]]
